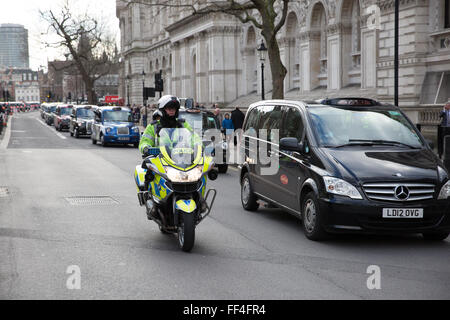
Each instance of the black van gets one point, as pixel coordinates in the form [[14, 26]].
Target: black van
[[344, 165]]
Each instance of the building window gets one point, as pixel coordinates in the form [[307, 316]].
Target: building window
[[447, 14]]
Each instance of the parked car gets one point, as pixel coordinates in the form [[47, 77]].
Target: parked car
[[62, 117], [114, 125], [81, 121], [346, 165], [203, 120]]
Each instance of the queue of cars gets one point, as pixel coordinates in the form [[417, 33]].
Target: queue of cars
[[116, 126], [108, 125]]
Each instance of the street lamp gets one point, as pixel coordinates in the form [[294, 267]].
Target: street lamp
[[143, 96], [262, 50], [128, 90], [396, 52]]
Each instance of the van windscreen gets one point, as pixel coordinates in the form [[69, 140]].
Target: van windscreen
[[335, 127]]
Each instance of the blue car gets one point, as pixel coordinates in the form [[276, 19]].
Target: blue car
[[114, 125]]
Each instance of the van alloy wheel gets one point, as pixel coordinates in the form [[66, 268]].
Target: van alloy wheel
[[248, 197], [310, 216], [313, 219], [245, 191]]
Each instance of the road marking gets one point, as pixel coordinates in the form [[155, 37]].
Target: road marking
[[55, 132], [7, 136]]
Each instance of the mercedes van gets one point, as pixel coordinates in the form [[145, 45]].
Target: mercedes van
[[344, 165]]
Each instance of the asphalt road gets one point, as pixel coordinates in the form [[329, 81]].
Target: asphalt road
[[121, 255]]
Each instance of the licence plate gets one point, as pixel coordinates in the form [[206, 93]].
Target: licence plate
[[124, 139], [403, 213]]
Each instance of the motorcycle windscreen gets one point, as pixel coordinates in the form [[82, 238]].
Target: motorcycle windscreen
[[180, 147]]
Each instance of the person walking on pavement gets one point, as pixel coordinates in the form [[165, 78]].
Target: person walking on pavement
[[444, 129], [228, 126], [218, 116], [238, 117]]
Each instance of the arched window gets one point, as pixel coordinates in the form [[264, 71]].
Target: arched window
[[318, 52], [351, 38]]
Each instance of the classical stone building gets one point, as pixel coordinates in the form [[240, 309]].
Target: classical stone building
[[330, 48]]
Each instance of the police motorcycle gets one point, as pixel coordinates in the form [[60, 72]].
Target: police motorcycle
[[172, 181]]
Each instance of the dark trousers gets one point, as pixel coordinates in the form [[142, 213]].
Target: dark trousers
[[444, 132]]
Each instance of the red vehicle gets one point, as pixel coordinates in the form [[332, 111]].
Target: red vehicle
[[62, 117], [112, 99]]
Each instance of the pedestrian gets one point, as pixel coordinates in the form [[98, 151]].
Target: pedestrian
[[238, 117], [137, 114], [227, 125], [444, 131], [218, 116]]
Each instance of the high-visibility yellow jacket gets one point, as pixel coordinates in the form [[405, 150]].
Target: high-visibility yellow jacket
[[150, 137]]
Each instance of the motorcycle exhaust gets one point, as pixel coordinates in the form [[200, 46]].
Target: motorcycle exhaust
[[141, 198]]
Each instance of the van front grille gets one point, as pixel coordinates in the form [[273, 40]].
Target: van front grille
[[399, 192]]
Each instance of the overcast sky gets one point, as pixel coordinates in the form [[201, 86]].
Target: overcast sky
[[26, 12]]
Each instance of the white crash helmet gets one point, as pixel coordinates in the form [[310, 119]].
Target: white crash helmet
[[169, 101]]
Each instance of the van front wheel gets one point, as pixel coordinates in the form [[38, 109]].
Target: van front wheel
[[248, 197], [312, 218]]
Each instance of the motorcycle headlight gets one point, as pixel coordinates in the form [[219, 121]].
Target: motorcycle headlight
[[341, 187], [224, 146], [193, 175], [445, 192]]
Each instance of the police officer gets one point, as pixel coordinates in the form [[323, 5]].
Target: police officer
[[169, 107]]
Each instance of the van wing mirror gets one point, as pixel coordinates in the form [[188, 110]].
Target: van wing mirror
[[291, 144]]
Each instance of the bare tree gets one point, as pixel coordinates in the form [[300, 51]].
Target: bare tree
[[270, 17], [85, 40]]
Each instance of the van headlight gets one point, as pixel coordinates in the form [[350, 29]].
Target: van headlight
[[193, 175], [445, 192], [341, 187]]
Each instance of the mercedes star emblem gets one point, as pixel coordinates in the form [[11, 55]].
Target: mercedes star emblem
[[402, 193]]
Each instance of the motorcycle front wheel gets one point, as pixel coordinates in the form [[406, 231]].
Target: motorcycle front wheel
[[186, 232]]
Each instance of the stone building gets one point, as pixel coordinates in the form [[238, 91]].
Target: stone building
[[330, 48]]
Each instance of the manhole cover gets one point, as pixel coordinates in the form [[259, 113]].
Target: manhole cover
[[4, 192], [91, 201]]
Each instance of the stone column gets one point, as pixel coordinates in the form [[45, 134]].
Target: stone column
[[334, 39], [309, 60]]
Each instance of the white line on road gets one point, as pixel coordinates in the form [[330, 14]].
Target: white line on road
[[7, 136], [57, 133]]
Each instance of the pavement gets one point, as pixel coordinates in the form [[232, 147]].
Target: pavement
[[50, 225]]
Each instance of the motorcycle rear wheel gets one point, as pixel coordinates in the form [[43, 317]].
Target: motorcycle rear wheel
[[186, 232]]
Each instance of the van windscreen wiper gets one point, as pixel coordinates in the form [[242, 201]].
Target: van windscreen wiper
[[384, 142], [361, 142]]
